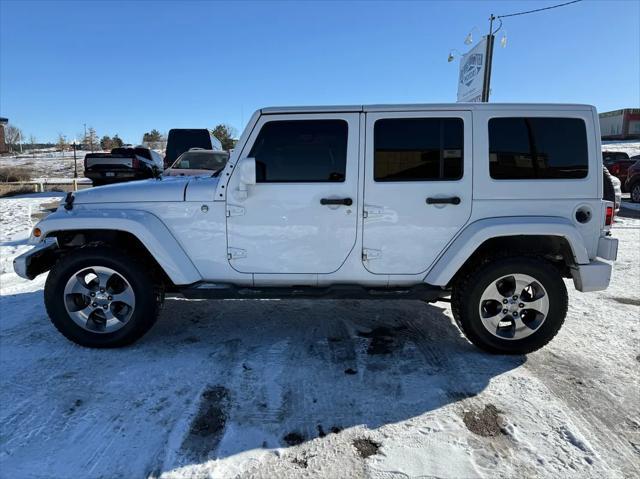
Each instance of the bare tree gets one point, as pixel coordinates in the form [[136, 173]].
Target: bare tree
[[32, 142], [12, 135], [62, 143], [91, 139]]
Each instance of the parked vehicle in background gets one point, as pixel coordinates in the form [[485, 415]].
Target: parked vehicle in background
[[612, 189], [617, 162], [489, 205], [198, 162], [633, 181], [122, 164], [180, 140]]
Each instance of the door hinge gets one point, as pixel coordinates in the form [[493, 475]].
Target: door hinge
[[236, 253], [234, 210], [368, 254], [370, 211]]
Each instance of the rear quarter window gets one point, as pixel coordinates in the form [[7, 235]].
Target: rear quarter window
[[534, 148]]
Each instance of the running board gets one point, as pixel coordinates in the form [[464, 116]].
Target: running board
[[424, 292]]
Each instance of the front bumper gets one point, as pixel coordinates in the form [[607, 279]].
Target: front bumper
[[37, 260], [596, 275]]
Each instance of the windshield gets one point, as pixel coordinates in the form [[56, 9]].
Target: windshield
[[201, 160]]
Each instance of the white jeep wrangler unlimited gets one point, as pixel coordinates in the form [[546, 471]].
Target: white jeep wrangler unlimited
[[488, 205]]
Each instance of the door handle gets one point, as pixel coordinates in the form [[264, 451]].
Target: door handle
[[453, 200], [336, 201]]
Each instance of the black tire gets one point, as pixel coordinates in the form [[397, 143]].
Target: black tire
[[468, 290], [147, 296], [634, 189]]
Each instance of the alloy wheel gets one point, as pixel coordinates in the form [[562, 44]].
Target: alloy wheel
[[514, 306], [99, 299]]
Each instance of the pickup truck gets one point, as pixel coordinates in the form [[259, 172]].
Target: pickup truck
[[122, 164], [488, 206]]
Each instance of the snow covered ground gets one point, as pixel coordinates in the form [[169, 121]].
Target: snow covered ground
[[330, 389], [630, 147], [49, 166]]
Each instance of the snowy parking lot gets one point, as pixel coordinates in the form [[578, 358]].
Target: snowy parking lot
[[317, 389]]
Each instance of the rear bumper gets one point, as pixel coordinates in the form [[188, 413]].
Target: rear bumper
[[596, 275], [118, 174], [608, 248]]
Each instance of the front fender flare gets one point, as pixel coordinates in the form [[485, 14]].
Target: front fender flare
[[476, 233], [145, 226]]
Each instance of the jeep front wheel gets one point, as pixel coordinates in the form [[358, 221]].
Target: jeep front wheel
[[99, 297], [511, 305]]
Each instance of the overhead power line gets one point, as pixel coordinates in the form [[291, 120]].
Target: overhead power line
[[538, 9]]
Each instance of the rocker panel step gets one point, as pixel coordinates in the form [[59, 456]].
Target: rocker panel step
[[204, 290]]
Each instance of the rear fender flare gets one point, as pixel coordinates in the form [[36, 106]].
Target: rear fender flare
[[476, 233]]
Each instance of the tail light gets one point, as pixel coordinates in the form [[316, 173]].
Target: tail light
[[135, 163], [614, 169], [608, 219]]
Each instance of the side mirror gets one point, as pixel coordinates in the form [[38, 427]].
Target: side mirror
[[247, 168], [246, 177]]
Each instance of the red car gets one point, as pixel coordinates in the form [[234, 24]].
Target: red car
[[617, 162]]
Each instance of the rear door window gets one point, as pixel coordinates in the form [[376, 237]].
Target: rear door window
[[418, 149], [537, 148]]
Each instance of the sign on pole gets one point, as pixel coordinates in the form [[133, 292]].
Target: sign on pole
[[472, 73]]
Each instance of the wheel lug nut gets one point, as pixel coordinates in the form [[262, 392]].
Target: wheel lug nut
[[92, 294], [515, 313], [94, 304], [101, 290], [521, 305], [505, 311], [111, 297], [515, 297], [505, 301], [105, 306]]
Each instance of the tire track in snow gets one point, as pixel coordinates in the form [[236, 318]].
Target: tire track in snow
[[611, 427]]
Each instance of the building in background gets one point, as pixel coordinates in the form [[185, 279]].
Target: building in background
[[620, 124], [3, 144]]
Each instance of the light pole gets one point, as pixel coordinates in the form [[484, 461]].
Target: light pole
[[490, 39], [75, 159], [489, 59]]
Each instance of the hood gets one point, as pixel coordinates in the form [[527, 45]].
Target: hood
[[163, 189]]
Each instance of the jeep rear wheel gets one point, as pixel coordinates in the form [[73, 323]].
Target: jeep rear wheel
[[99, 297], [511, 305]]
